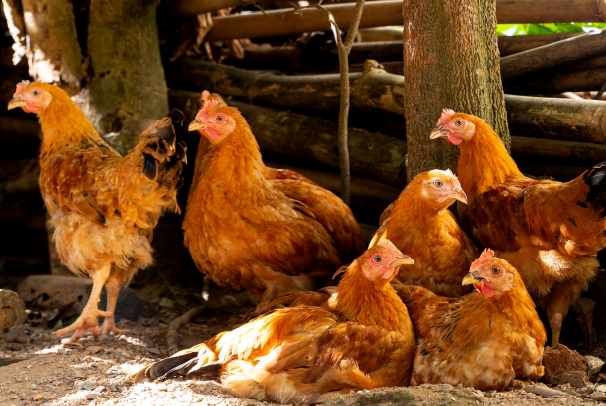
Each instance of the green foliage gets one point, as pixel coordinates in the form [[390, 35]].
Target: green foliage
[[548, 28]]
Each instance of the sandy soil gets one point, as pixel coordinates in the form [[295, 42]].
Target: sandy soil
[[41, 371]]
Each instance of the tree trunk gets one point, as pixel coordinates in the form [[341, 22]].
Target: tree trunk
[[451, 61], [126, 90]]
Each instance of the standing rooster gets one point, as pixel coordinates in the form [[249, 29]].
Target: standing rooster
[[550, 231], [300, 353], [266, 236], [420, 224], [103, 206], [482, 340]]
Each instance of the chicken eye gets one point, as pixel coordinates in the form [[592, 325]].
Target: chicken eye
[[496, 270], [439, 183], [219, 118], [458, 122], [377, 259], [36, 92]]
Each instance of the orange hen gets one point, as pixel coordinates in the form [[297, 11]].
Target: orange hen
[[103, 206], [550, 231], [266, 236], [301, 353], [420, 224], [482, 340]]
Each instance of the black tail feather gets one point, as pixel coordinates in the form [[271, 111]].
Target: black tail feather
[[184, 364], [595, 178]]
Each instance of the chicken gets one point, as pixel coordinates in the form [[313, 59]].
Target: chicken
[[550, 231], [420, 224], [483, 339], [300, 353], [103, 206], [266, 236]]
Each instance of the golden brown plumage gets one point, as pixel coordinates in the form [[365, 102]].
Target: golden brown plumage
[[420, 224], [300, 353], [483, 339], [103, 206], [266, 236], [550, 231]]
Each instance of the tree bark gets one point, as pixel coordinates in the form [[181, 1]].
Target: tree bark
[[451, 61], [55, 55], [558, 53], [373, 156], [126, 89]]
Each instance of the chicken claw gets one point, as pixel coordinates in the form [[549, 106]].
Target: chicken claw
[[109, 326], [87, 322]]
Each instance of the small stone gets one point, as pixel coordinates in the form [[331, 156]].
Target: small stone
[[38, 397], [93, 349], [113, 388], [594, 365], [445, 386], [61, 351], [601, 388], [460, 386], [91, 396], [577, 379], [87, 385]]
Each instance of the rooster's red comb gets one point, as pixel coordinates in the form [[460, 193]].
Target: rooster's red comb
[[21, 87], [445, 114], [208, 101], [488, 254]]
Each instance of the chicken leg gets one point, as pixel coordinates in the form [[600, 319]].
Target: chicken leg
[[112, 287], [89, 319]]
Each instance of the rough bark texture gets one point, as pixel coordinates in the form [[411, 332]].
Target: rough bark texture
[[126, 89], [55, 55], [451, 61]]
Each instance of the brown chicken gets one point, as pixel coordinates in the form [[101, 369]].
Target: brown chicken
[[266, 236], [420, 224], [103, 206], [482, 340], [301, 353], [550, 231]]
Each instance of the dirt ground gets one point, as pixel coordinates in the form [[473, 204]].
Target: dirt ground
[[36, 369]]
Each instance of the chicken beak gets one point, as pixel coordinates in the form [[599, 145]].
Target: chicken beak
[[438, 132], [403, 260], [471, 278], [14, 103], [196, 125], [460, 196]]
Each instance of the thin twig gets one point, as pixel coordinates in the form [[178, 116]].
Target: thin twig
[[343, 50], [172, 339]]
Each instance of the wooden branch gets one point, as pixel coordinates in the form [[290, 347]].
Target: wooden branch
[[582, 153], [558, 53], [190, 8], [519, 43], [380, 34], [560, 119], [556, 81], [550, 11], [373, 156], [373, 90], [172, 335], [287, 22]]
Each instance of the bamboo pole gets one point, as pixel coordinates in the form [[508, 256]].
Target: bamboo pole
[[558, 53], [373, 156]]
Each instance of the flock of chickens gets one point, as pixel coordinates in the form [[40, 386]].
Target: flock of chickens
[[420, 305]]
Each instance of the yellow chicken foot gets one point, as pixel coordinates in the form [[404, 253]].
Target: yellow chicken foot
[[89, 319], [112, 287]]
